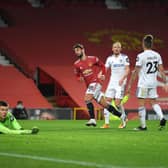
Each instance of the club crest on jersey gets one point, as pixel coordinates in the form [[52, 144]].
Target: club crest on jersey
[[90, 64]]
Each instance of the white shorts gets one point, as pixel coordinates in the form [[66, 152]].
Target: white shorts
[[115, 92], [95, 90], [150, 93]]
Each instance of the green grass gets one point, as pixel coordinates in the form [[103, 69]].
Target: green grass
[[68, 140]]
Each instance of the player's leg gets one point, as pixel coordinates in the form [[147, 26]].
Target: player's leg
[[109, 95], [142, 95], [112, 109], [106, 119], [121, 108], [153, 95], [89, 95], [118, 99], [159, 112]]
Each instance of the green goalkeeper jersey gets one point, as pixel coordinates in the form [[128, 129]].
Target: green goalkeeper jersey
[[10, 126]]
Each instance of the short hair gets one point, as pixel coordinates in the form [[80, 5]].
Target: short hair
[[117, 43], [19, 102], [78, 45], [148, 41], [3, 103]]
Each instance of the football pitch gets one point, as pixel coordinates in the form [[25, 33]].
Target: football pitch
[[70, 144]]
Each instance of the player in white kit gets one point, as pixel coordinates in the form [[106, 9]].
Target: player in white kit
[[118, 64], [148, 64]]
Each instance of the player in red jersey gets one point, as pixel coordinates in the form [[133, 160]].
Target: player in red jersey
[[91, 70]]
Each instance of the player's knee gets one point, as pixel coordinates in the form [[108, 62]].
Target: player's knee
[[98, 97], [88, 102], [142, 111]]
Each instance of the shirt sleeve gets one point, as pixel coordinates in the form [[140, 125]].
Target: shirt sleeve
[[138, 61], [14, 123], [5, 130], [101, 65], [107, 64], [160, 60], [127, 61], [77, 72]]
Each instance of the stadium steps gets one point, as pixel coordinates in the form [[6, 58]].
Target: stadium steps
[[51, 100], [18, 87]]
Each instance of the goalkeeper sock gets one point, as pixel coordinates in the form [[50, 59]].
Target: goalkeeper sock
[[113, 110]]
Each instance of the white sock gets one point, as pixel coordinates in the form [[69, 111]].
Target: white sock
[[121, 108], [142, 116], [106, 116], [158, 111]]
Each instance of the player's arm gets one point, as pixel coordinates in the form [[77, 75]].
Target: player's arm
[[77, 73], [14, 123], [102, 72], [5, 130], [126, 73], [133, 78], [163, 75]]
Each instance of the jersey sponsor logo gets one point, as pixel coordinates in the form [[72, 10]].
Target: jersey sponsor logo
[[87, 72], [118, 65]]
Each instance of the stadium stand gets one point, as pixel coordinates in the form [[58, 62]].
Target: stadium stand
[[15, 86], [44, 37]]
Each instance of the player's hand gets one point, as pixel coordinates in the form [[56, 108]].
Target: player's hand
[[80, 79], [121, 82], [101, 76], [35, 130]]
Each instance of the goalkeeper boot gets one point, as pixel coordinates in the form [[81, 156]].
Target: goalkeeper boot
[[91, 122], [35, 130], [105, 126]]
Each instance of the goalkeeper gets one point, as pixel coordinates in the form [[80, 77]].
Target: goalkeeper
[[8, 123]]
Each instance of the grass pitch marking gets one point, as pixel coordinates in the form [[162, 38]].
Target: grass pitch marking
[[57, 160]]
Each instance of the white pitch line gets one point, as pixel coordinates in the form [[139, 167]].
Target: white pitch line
[[57, 160]]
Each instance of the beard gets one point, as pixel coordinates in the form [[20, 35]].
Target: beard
[[80, 56]]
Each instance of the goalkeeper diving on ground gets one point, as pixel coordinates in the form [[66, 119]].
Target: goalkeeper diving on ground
[[9, 124]]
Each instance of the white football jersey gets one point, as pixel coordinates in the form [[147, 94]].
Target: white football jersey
[[117, 65], [148, 61]]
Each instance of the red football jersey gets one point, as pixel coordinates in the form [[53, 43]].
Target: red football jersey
[[89, 69]]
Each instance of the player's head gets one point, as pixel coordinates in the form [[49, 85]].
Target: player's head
[[4, 107], [79, 50], [147, 41], [116, 48]]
